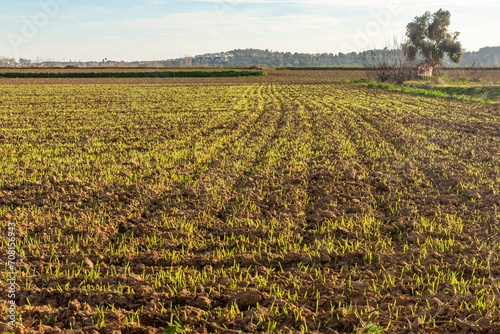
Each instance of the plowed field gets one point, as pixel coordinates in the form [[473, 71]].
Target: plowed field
[[248, 208]]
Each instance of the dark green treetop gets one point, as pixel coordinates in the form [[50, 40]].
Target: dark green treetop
[[428, 34]]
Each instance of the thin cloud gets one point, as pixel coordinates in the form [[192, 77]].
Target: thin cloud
[[109, 28]]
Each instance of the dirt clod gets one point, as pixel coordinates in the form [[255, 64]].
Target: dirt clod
[[248, 298], [75, 305], [88, 263], [416, 238]]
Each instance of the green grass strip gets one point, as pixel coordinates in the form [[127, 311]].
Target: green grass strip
[[467, 93]]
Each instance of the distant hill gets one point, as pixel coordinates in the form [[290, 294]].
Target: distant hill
[[487, 56]]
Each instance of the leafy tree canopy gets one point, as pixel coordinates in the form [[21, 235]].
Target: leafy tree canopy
[[429, 35]]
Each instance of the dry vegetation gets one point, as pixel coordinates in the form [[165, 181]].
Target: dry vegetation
[[250, 208]]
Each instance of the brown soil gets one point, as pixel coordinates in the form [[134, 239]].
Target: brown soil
[[254, 208]]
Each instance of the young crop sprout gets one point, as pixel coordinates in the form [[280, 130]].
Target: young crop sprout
[[237, 204]]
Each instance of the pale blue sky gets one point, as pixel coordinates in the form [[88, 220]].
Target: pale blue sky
[[162, 29]]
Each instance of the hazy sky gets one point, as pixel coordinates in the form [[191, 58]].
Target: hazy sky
[[162, 29]]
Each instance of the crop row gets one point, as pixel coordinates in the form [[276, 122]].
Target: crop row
[[258, 207]]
